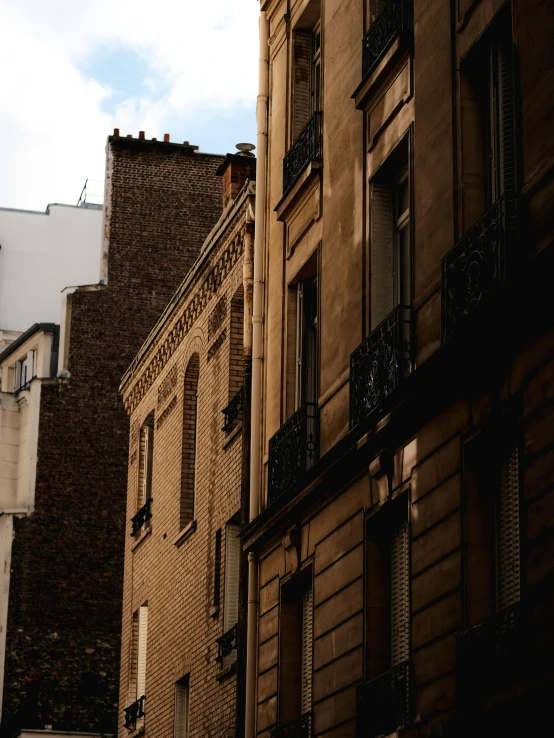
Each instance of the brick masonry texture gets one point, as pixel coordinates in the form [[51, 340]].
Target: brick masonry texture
[[64, 621]]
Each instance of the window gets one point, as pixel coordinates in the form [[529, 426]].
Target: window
[[306, 81], [306, 342], [24, 371], [141, 521], [181, 729], [137, 681], [375, 7], [217, 573], [190, 441], [232, 573], [391, 259]]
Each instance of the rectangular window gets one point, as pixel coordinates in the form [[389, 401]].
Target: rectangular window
[[306, 68], [232, 572], [137, 672], [181, 729], [146, 456], [307, 649], [217, 571], [25, 370], [306, 342]]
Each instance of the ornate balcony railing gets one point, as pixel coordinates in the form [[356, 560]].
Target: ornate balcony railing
[[299, 728], [395, 18], [142, 518], [380, 363], [489, 653], [227, 643], [134, 713], [292, 451], [476, 268], [308, 146], [384, 704], [232, 411]]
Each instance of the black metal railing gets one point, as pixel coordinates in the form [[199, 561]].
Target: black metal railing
[[384, 704], [380, 363], [227, 643], [232, 411], [292, 451], [307, 146], [134, 712], [477, 267], [142, 518], [489, 653], [394, 19], [299, 728]]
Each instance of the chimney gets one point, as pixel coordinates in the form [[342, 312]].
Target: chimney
[[235, 170]]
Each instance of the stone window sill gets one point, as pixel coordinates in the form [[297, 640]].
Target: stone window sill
[[142, 537], [232, 435], [227, 672], [187, 531]]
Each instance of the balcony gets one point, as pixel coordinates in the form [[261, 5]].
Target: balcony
[[384, 705], [142, 518], [299, 728], [292, 451], [381, 363], [232, 411], [394, 19], [227, 643], [134, 713], [489, 654], [306, 148], [477, 267]]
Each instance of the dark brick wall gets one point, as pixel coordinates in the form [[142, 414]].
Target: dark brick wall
[[64, 620]]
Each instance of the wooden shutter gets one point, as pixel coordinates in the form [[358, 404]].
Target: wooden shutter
[[149, 461], [381, 253], [181, 709], [302, 63], [232, 566], [507, 113], [299, 399], [141, 650], [400, 595], [307, 649], [508, 531]]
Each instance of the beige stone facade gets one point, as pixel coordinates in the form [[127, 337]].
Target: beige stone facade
[[182, 554], [404, 543]]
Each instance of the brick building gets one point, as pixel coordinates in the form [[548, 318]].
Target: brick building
[[63, 639], [401, 547], [183, 616]]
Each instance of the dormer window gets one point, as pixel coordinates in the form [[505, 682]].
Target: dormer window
[[24, 371]]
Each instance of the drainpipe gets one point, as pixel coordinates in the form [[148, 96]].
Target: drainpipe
[[256, 409]]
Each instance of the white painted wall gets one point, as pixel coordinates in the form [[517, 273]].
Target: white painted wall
[[40, 255]]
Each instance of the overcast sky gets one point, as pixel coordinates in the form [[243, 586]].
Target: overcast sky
[[73, 70]]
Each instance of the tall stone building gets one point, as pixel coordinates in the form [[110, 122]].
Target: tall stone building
[[402, 533], [181, 672], [64, 440]]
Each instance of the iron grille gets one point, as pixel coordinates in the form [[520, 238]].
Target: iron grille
[[142, 518], [134, 712], [395, 18], [380, 363], [383, 705], [489, 653], [292, 451], [299, 728], [232, 411], [227, 643], [475, 269], [307, 146]]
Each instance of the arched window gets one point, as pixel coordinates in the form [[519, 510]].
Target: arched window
[[188, 454]]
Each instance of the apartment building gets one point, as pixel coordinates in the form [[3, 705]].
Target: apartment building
[[63, 443], [186, 392], [401, 536]]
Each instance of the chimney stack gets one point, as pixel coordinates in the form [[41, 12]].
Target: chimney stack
[[235, 170]]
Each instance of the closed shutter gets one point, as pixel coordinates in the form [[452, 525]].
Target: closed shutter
[[307, 649], [301, 102], [381, 253], [400, 596], [232, 570], [507, 113], [181, 710], [299, 399], [141, 650], [149, 461], [508, 533]]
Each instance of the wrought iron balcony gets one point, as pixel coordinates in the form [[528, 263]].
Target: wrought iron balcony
[[384, 704], [380, 363], [227, 643], [142, 518], [232, 411], [134, 713], [292, 451], [308, 146], [489, 653], [394, 19], [299, 728], [477, 267]]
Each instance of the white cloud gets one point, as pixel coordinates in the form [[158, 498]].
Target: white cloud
[[53, 123]]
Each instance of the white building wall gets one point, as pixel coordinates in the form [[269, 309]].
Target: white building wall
[[40, 255]]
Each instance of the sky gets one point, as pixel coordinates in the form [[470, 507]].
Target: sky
[[74, 70]]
